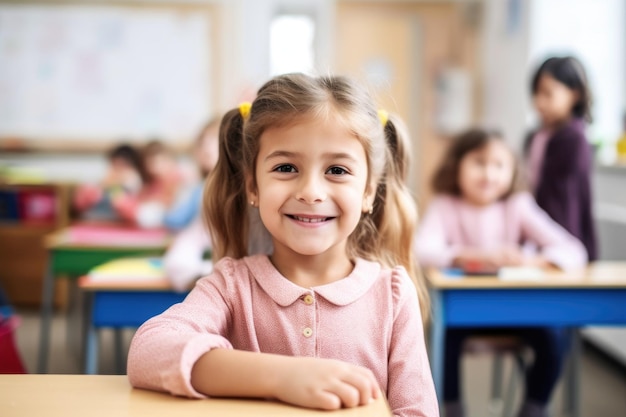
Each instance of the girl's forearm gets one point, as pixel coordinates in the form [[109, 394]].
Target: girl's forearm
[[236, 373], [310, 382]]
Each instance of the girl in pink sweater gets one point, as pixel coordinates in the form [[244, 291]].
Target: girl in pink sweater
[[479, 221], [331, 318]]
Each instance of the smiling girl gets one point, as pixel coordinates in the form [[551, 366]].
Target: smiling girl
[[331, 318]]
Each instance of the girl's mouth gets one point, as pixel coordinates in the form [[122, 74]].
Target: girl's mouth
[[309, 219]]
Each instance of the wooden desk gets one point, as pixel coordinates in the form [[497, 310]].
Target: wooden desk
[[78, 248], [592, 296], [112, 396], [121, 304]]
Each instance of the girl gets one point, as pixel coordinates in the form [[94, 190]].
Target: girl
[[559, 157], [329, 318], [479, 218], [165, 179], [205, 152], [125, 177]]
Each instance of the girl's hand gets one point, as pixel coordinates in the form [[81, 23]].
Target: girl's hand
[[510, 256], [325, 383], [537, 261]]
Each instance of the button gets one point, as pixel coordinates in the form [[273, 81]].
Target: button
[[307, 332], [308, 299]]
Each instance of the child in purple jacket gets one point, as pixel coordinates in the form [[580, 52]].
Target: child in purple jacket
[[559, 157]]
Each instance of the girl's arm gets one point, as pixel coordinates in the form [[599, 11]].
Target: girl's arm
[[308, 382], [86, 196], [433, 247], [558, 247], [185, 351], [183, 261], [410, 390], [185, 209], [431, 243]]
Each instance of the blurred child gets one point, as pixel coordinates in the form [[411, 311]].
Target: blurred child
[[185, 260], [331, 317], [125, 177], [479, 219], [559, 157], [164, 180], [205, 152]]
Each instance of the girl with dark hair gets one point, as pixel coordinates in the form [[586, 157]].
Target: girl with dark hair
[[559, 157], [126, 176], [480, 221]]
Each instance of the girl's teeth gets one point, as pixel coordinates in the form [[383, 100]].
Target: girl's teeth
[[309, 220]]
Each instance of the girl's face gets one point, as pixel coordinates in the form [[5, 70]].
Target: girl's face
[[554, 100], [311, 187], [160, 166], [207, 150], [486, 174]]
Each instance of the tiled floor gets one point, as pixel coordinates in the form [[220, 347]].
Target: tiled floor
[[603, 387]]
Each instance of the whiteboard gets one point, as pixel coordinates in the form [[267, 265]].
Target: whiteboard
[[103, 73]]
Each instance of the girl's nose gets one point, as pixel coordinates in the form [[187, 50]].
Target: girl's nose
[[310, 190]]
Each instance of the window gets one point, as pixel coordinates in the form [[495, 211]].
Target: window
[[292, 44]]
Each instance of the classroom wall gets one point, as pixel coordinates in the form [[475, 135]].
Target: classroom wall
[[506, 33], [451, 39]]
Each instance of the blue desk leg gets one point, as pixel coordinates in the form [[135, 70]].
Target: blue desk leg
[[91, 354], [437, 342], [46, 318]]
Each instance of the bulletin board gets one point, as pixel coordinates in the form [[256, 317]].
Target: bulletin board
[[89, 74]]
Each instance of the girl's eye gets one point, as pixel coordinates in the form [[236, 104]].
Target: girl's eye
[[336, 171], [285, 168]]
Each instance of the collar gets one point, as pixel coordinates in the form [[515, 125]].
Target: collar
[[341, 292]]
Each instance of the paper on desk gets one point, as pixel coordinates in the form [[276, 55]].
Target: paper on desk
[[129, 269], [520, 273]]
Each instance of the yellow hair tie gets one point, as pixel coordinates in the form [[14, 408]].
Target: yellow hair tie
[[383, 116], [244, 109]]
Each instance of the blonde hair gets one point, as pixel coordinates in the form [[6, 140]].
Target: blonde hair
[[385, 235]]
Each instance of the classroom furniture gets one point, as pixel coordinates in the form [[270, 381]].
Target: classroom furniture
[[112, 395], [121, 304], [595, 295], [74, 250], [28, 212], [501, 404]]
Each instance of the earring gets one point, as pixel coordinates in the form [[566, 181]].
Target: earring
[[371, 210], [252, 203]]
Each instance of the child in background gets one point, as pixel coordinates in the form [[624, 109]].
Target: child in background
[[479, 217], [205, 153], [559, 157], [184, 261], [125, 177], [331, 317], [165, 179]]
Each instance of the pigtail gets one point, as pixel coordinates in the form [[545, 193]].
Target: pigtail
[[225, 207], [396, 214]]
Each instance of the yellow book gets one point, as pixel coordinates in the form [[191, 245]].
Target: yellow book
[[129, 269]]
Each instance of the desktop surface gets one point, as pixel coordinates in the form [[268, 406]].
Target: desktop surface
[[112, 395]]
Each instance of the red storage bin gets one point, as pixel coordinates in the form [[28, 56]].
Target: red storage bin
[[10, 359], [38, 206]]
